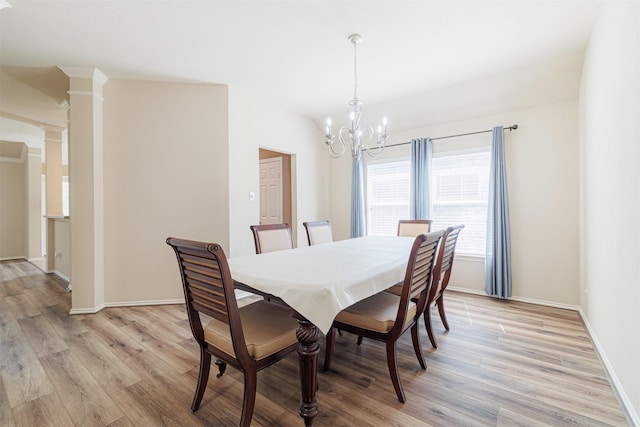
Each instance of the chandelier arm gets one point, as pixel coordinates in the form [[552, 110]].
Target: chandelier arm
[[369, 132], [343, 143], [336, 153], [375, 151], [331, 145]]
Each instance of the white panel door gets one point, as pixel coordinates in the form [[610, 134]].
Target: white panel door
[[271, 191]]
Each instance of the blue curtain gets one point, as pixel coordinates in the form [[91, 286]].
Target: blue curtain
[[358, 224], [420, 200], [498, 254]]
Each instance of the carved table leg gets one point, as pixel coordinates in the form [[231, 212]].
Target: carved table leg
[[308, 336]]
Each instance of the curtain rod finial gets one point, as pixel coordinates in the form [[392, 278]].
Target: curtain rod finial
[[514, 127]]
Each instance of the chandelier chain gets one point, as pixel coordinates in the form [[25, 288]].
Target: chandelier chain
[[355, 71]]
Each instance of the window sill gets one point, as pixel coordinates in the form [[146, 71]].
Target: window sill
[[469, 257]]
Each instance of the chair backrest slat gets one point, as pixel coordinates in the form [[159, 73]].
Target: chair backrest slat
[[418, 277], [449, 247], [208, 287], [422, 270], [444, 262], [205, 287], [423, 264]]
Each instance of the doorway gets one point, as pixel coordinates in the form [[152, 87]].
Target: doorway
[[275, 187]]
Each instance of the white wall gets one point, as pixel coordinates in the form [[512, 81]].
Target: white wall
[[542, 173], [610, 194], [165, 174], [255, 123]]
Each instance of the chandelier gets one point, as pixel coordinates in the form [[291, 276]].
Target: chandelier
[[359, 137]]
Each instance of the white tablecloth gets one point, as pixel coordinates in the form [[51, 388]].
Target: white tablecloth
[[320, 281]]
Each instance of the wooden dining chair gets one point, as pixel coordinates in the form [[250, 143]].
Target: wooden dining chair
[[249, 339], [386, 317], [271, 237], [318, 232], [413, 227], [407, 228], [442, 273]]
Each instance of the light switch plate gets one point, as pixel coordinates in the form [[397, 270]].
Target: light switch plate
[[252, 196]]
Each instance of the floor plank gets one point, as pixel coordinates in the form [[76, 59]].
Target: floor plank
[[503, 363], [46, 411], [22, 375], [85, 400], [41, 336], [6, 416]]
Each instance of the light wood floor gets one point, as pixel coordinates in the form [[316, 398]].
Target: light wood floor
[[502, 363]]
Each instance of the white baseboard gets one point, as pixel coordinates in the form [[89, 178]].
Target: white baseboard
[[62, 276], [142, 303], [90, 310], [12, 258], [519, 299], [239, 295], [631, 414], [94, 310]]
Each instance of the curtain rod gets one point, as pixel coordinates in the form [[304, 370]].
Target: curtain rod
[[513, 127]]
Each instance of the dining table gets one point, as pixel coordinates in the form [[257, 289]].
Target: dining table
[[319, 281]]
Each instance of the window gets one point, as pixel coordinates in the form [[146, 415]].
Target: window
[[459, 194], [387, 195]]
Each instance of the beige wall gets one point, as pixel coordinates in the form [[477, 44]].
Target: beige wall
[[542, 173], [13, 201], [165, 174], [255, 123], [610, 194]]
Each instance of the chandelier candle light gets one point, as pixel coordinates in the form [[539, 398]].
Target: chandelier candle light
[[359, 138]]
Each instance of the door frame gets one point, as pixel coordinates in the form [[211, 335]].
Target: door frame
[[289, 185]]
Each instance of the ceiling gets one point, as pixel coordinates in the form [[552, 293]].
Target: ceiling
[[296, 53]]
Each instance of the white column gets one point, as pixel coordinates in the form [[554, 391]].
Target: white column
[[86, 189]]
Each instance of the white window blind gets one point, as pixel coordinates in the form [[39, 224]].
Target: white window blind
[[387, 196], [459, 193]]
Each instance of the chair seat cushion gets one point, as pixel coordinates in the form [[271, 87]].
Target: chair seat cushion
[[376, 313], [267, 327]]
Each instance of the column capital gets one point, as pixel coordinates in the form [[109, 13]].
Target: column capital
[[52, 133], [85, 73]]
